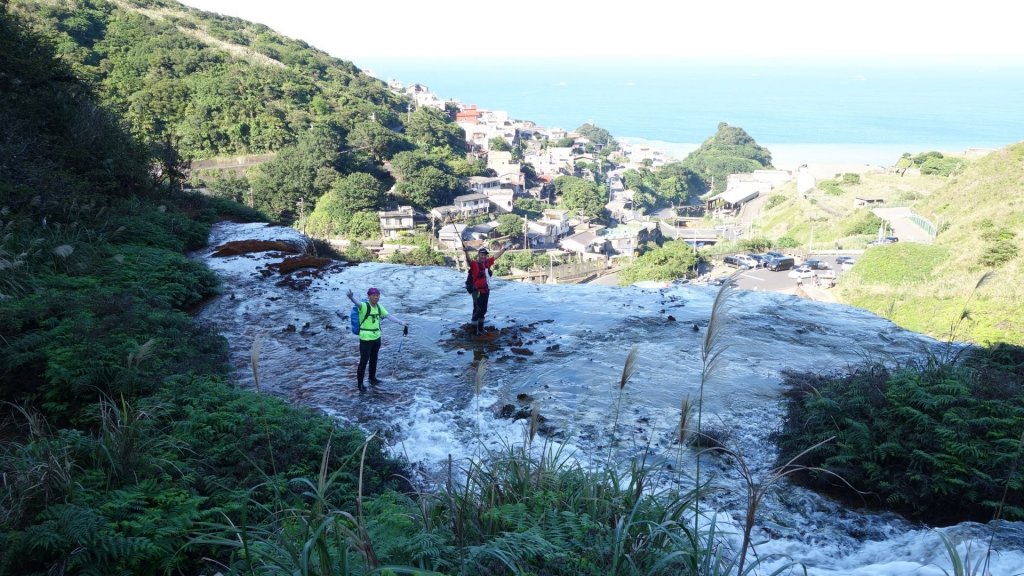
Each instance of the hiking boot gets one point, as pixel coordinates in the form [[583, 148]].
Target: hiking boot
[[374, 382], [362, 387]]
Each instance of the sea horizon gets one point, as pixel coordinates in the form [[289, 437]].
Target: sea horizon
[[810, 111]]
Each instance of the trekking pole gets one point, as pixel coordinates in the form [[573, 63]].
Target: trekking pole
[[394, 365]]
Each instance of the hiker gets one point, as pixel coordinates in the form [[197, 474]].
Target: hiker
[[371, 313], [480, 270]]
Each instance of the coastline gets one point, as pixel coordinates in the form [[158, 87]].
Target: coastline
[[792, 156]]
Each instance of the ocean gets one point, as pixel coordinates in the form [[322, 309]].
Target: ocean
[[842, 111]]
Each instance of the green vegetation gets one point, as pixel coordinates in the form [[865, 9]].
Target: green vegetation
[[192, 85], [675, 259], [976, 211], [730, 151], [939, 442], [898, 265], [125, 450], [932, 163], [581, 197]]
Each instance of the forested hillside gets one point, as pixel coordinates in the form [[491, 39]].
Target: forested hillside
[[119, 433], [193, 85]]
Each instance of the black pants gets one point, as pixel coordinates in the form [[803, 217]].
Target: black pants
[[480, 306], [368, 350]]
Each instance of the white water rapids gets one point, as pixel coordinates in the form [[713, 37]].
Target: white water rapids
[[564, 347]]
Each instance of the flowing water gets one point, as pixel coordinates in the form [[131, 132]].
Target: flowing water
[[563, 348]]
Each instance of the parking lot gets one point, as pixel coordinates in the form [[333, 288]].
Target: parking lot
[[763, 279]]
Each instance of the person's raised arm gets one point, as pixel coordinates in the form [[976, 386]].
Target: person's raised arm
[[351, 297], [502, 250]]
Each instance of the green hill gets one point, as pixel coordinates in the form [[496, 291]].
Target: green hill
[[978, 213], [194, 85]]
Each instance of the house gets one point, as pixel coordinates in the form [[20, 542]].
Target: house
[[501, 162], [452, 235], [626, 239], [482, 231], [469, 115], [860, 201], [541, 234], [742, 188], [558, 221], [484, 184], [734, 197], [513, 181], [589, 244], [394, 222], [471, 204], [501, 200], [423, 97]]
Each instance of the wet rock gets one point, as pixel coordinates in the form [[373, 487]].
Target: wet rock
[[298, 262], [237, 247]]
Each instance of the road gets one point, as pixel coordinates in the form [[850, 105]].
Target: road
[[760, 279], [898, 220]]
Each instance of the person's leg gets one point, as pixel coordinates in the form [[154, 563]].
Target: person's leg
[[484, 297], [364, 357], [374, 352], [476, 307]]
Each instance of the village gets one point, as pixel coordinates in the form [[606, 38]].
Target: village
[[593, 248]]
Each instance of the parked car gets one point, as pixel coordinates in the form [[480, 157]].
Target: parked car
[[801, 272], [816, 265], [738, 261], [758, 259], [844, 259], [783, 263], [774, 255], [886, 240]]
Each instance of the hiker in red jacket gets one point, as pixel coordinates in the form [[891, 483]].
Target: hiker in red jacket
[[480, 270]]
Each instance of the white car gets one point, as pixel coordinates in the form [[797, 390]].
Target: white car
[[801, 272]]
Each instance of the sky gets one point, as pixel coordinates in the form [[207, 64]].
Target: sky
[[368, 31]]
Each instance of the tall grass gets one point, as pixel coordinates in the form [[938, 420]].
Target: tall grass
[[315, 539]]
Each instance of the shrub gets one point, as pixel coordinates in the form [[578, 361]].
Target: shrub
[[998, 253], [773, 201], [938, 442]]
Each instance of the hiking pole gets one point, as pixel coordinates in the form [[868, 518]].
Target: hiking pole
[[394, 365]]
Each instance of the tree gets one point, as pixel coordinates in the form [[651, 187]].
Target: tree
[[359, 192], [597, 136], [499, 144], [301, 172], [373, 138], [730, 151], [580, 197], [510, 225], [425, 180], [430, 128], [675, 259], [364, 225]]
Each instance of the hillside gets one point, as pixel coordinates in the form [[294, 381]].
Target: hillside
[[978, 213], [192, 85], [212, 85]]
